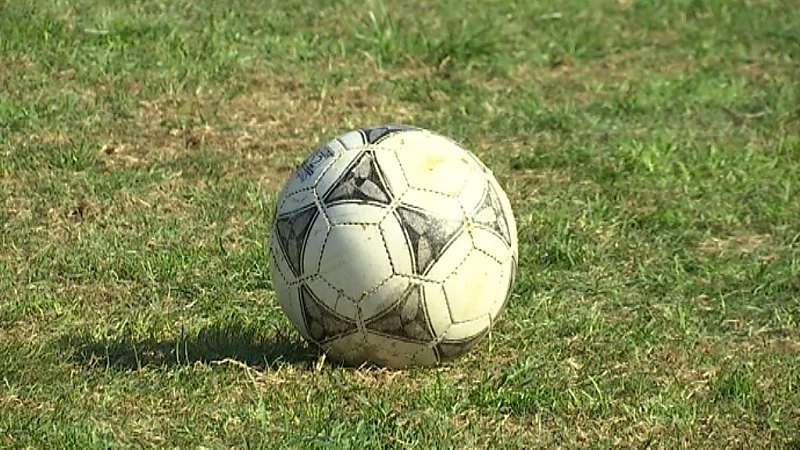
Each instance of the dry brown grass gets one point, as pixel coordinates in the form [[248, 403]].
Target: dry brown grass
[[260, 134], [739, 244]]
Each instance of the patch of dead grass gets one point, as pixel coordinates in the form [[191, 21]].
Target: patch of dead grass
[[625, 427], [612, 69], [262, 133], [737, 244], [14, 67]]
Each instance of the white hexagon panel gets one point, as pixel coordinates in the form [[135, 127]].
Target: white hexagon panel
[[474, 286], [432, 162], [354, 260]]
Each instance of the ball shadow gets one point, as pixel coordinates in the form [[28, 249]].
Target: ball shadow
[[247, 345]]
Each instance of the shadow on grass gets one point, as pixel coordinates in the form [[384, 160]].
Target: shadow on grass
[[248, 345]]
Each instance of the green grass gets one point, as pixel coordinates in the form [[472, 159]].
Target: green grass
[[651, 150]]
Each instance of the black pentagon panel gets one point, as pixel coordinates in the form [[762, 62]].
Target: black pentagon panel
[[489, 215], [406, 319], [322, 323], [428, 235], [447, 350], [362, 182], [373, 135], [292, 232]]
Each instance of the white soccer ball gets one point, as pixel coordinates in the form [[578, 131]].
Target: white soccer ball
[[394, 246]]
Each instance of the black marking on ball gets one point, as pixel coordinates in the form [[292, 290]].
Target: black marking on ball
[[362, 182], [449, 349], [428, 236], [489, 215], [292, 232], [374, 135], [322, 323], [406, 319]]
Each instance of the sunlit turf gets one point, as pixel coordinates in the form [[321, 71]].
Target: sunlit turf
[[651, 150]]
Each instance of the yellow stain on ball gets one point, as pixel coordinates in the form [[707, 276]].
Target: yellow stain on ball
[[467, 224], [432, 161]]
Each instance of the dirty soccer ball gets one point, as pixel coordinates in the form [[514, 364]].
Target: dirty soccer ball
[[394, 246]]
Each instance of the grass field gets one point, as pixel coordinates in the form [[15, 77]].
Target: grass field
[[651, 151]]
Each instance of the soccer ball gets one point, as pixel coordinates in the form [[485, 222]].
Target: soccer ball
[[394, 246]]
